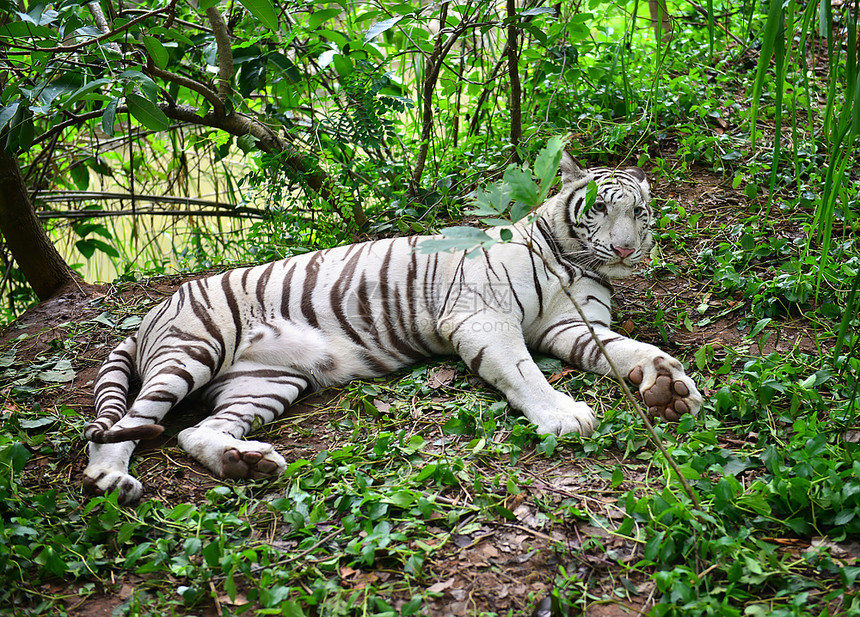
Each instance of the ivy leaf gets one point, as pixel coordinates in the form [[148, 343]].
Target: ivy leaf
[[146, 112], [264, 11]]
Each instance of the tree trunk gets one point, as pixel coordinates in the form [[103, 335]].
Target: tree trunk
[[660, 20], [44, 267], [514, 74]]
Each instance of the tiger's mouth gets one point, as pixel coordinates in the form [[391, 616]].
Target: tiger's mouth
[[618, 267]]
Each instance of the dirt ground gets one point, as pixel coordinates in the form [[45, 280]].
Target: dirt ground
[[497, 565]]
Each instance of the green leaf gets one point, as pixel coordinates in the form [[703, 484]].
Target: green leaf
[[318, 17], [37, 423], [844, 517], [652, 547], [523, 187], [519, 211], [136, 554], [590, 196], [212, 553], [291, 608], [760, 325], [62, 372], [247, 143], [7, 112], [768, 40], [427, 471], [547, 163], [157, 51], [86, 89], [148, 87], [146, 112], [16, 455], [174, 35], [401, 499], [380, 27], [64, 84], [538, 10], [286, 65], [88, 247], [493, 200], [53, 562], [264, 11], [109, 118], [457, 239]]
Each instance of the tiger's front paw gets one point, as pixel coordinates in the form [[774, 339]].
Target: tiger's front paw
[[101, 480], [564, 416], [667, 391]]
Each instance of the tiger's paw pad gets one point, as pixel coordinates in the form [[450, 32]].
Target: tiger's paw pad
[[251, 460], [666, 390], [103, 481]]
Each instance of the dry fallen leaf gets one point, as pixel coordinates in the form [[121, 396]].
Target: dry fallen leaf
[[441, 377], [441, 586]]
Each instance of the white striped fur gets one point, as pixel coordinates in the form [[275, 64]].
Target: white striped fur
[[250, 341]]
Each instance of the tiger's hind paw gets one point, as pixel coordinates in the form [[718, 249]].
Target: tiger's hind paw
[[99, 480], [228, 457], [666, 390], [254, 459]]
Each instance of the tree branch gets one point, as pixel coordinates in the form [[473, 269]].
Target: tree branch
[[70, 48], [225, 53], [186, 82]]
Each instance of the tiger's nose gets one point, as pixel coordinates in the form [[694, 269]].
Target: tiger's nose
[[622, 251]]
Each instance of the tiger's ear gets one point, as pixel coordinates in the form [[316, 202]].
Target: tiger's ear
[[644, 186], [571, 172]]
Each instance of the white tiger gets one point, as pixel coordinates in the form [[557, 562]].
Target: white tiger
[[250, 341]]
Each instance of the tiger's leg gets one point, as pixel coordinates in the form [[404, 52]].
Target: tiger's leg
[[494, 348], [107, 471], [110, 449], [247, 397], [667, 391]]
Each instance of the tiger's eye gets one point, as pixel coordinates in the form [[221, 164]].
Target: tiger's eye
[[599, 206]]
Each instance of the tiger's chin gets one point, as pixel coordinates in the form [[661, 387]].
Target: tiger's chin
[[617, 270]]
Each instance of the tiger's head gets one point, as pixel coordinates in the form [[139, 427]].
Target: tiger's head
[[612, 235]]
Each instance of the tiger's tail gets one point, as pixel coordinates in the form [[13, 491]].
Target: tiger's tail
[[111, 398]]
